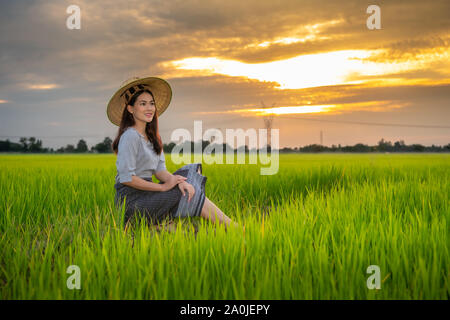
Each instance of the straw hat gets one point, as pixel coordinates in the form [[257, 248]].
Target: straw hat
[[161, 92]]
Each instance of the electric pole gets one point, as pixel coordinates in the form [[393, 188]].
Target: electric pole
[[268, 122]]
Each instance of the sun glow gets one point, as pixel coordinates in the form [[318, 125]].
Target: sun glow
[[371, 106], [305, 71], [290, 110]]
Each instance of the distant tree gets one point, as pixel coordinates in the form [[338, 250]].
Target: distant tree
[[103, 147], [384, 145], [359, 147], [418, 147], [168, 147], [399, 145], [206, 143], [286, 150], [314, 148], [82, 146], [69, 148], [24, 144], [5, 145], [34, 145]]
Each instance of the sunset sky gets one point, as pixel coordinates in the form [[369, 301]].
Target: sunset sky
[[315, 64]]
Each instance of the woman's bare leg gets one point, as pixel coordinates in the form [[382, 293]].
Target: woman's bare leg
[[211, 212]]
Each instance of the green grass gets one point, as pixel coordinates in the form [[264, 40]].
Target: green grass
[[331, 217]]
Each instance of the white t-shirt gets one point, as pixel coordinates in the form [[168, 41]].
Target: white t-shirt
[[137, 157]]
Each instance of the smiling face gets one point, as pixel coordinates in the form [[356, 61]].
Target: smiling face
[[144, 108]]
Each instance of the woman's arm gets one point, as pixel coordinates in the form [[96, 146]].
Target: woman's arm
[[141, 184], [168, 178], [164, 175]]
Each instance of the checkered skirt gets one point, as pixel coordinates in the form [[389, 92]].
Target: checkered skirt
[[155, 206]]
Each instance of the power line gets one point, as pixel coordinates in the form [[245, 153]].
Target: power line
[[54, 137], [240, 118], [164, 129], [371, 123]]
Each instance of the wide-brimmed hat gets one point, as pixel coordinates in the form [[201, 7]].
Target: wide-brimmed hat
[[160, 89]]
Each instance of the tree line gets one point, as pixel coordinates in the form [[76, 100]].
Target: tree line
[[33, 145]]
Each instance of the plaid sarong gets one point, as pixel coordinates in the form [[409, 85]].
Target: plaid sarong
[[155, 206]]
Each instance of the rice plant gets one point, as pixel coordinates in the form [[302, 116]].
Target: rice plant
[[308, 232]]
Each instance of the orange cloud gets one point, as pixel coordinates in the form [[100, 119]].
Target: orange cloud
[[48, 86]]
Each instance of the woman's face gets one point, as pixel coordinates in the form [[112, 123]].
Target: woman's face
[[144, 108]]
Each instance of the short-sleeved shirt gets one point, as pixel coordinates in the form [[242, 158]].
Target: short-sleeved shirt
[[137, 157]]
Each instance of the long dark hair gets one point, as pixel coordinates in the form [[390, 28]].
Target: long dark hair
[[151, 129]]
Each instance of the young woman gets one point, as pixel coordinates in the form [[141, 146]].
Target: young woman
[[135, 108]]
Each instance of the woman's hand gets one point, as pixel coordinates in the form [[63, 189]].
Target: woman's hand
[[169, 184], [184, 186]]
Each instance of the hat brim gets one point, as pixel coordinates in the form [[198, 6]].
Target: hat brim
[[160, 89]]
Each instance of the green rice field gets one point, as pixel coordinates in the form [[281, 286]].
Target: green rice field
[[308, 232]]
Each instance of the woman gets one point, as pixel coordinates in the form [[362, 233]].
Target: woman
[[135, 108]]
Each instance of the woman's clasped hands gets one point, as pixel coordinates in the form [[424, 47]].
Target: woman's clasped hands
[[182, 185], [185, 186], [172, 182]]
